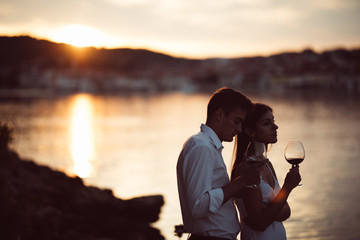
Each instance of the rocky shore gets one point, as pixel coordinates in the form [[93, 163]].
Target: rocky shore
[[37, 202]]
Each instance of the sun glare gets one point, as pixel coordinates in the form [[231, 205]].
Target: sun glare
[[79, 36], [82, 142]]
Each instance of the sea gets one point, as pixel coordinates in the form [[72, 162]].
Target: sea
[[130, 142]]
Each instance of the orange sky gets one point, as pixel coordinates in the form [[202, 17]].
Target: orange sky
[[196, 29]]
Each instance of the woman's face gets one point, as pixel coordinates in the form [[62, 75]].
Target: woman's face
[[266, 129]]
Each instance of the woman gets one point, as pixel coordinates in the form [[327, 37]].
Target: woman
[[262, 208]]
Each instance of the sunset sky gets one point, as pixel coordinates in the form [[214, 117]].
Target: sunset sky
[[189, 28]]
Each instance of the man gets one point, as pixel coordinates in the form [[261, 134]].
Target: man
[[203, 182]]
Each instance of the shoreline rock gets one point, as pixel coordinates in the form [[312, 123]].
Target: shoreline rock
[[37, 202]]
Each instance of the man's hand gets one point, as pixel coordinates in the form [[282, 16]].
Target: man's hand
[[250, 169]]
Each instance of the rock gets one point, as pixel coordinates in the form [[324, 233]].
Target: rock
[[37, 202]]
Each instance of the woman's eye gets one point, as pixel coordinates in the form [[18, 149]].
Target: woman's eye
[[268, 122]]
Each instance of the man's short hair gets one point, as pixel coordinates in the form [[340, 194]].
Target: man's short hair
[[229, 100]]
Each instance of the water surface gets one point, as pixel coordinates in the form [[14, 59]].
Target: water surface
[[131, 143]]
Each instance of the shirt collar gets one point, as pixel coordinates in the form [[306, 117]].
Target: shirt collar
[[212, 135]]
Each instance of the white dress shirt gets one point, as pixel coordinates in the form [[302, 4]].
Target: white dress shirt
[[201, 174]]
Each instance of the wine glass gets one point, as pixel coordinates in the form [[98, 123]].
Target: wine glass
[[257, 156], [294, 153]]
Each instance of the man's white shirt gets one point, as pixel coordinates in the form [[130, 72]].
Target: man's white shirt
[[201, 174]]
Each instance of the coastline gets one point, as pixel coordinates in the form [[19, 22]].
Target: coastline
[[40, 203]]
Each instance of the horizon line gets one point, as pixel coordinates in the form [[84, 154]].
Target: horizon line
[[226, 56]]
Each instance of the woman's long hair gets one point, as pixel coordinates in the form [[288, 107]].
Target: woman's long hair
[[242, 140]]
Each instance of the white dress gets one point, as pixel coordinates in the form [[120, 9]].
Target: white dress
[[276, 230]]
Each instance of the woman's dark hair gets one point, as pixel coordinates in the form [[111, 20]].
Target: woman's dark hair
[[242, 140], [229, 100]]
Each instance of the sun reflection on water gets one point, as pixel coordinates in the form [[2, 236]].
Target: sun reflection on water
[[82, 141]]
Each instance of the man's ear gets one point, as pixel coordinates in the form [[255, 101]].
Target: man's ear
[[250, 132], [219, 114]]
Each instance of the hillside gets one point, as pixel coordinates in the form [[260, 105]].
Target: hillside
[[26, 62]]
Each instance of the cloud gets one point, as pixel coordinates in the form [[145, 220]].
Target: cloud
[[335, 4], [194, 25]]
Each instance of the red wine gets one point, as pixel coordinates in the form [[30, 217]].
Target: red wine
[[294, 161]]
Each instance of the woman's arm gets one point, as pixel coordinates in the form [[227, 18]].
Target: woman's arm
[[260, 217], [284, 213]]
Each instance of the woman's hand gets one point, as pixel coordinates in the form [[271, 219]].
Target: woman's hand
[[292, 178]]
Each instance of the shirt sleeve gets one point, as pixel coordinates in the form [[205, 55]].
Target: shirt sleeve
[[198, 177]]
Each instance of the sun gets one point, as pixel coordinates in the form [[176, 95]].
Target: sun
[[78, 35]]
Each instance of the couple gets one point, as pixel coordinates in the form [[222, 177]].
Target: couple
[[205, 191]]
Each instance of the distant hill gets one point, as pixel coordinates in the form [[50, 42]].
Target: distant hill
[[27, 62]]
